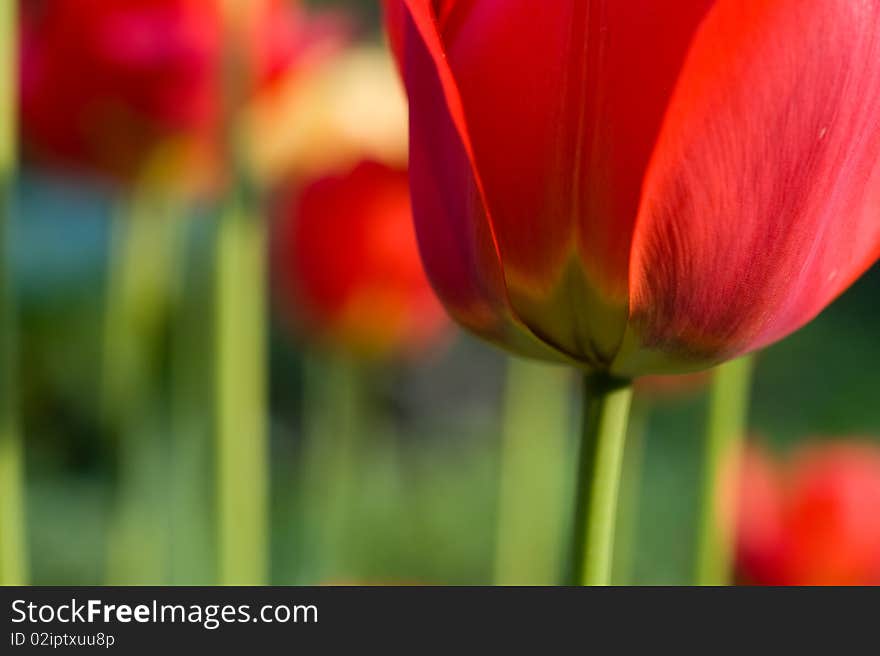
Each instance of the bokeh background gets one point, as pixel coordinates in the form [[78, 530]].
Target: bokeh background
[[421, 496]]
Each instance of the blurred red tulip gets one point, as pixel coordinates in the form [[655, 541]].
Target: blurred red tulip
[[642, 186], [758, 505], [110, 86], [348, 267], [670, 387], [816, 522]]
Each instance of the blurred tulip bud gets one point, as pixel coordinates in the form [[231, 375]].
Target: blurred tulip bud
[[815, 521], [348, 269]]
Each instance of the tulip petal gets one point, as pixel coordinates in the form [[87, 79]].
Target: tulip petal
[[559, 135], [396, 19], [563, 107], [455, 235], [762, 201]]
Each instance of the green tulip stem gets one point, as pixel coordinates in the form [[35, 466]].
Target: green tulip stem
[[534, 445], [726, 431], [242, 443], [626, 530], [241, 366], [606, 410], [191, 466], [336, 421], [136, 308], [13, 552]]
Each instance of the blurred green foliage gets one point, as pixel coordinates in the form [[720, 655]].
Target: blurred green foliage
[[427, 492]]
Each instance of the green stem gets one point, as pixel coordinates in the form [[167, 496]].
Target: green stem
[[533, 455], [137, 549], [606, 409], [242, 448], [727, 426], [335, 419], [135, 312], [137, 302], [13, 551], [242, 445], [626, 530], [192, 536]]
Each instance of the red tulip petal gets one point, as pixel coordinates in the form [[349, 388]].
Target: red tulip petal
[[563, 108], [395, 25], [762, 202], [562, 115], [455, 235]]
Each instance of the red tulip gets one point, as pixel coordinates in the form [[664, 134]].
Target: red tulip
[[348, 266], [105, 84], [814, 522], [642, 186]]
